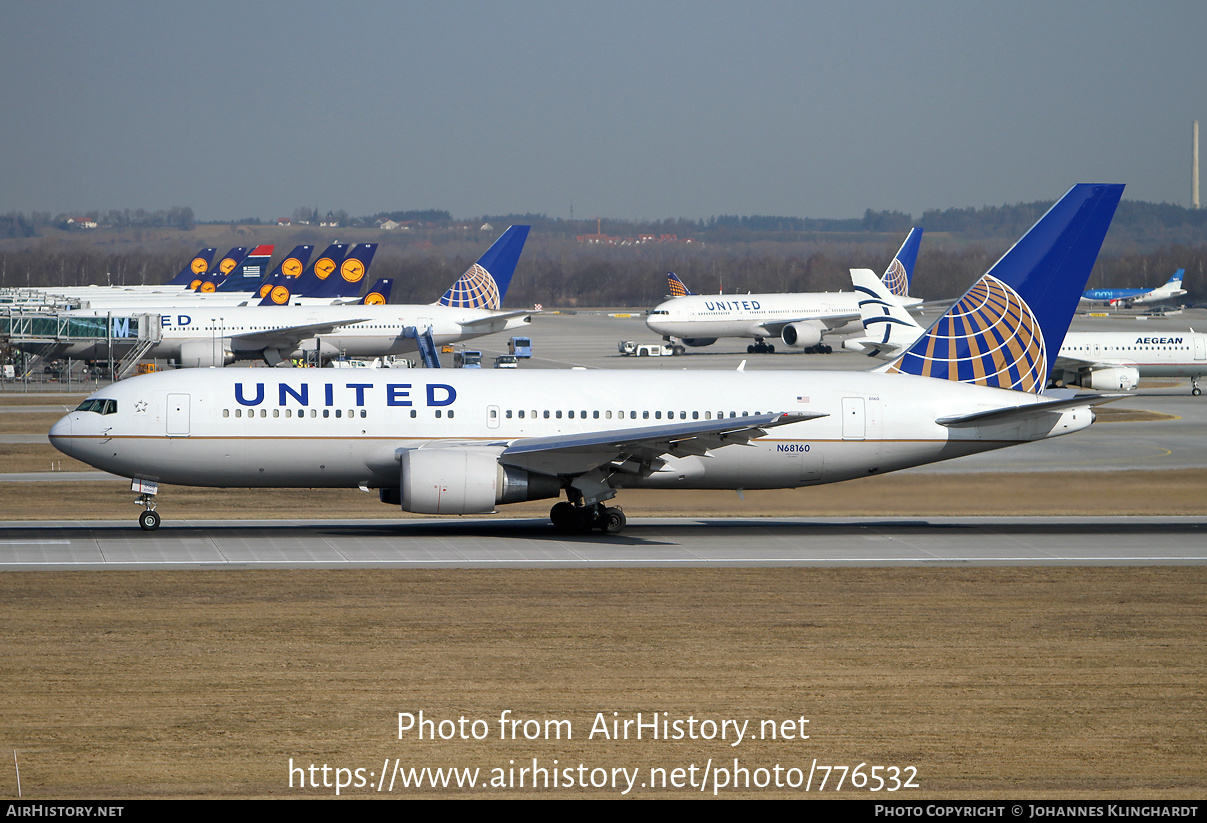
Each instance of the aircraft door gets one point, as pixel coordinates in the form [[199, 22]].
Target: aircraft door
[[853, 418], [178, 415], [1200, 347], [492, 416]]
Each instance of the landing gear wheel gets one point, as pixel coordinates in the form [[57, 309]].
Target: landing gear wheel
[[613, 520], [564, 516], [750, 349], [1196, 391], [149, 520]]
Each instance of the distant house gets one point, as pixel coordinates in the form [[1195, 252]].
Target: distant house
[[80, 223], [487, 227], [390, 225], [284, 221]]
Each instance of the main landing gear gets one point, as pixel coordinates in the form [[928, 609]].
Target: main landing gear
[[568, 517], [760, 347]]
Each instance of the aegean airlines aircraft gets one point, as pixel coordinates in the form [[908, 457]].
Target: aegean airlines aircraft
[[462, 442], [798, 320]]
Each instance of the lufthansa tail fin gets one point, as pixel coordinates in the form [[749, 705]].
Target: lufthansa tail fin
[[290, 268], [313, 276], [899, 272], [676, 286], [1006, 330], [379, 293], [195, 268], [484, 284], [346, 281], [219, 271]]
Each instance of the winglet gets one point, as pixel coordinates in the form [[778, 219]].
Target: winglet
[[1006, 330], [484, 284]]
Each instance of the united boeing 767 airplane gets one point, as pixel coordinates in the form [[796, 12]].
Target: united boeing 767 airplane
[[436, 442]]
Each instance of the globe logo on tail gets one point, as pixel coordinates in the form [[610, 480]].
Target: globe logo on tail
[[990, 338], [895, 280], [475, 289]]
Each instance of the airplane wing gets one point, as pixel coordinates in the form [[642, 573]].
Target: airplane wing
[[639, 450], [1018, 413], [289, 336], [833, 320], [493, 319]]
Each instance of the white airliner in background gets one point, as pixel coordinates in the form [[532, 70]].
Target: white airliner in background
[[214, 336], [1130, 297], [798, 320], [1106, 361], [457, 442]]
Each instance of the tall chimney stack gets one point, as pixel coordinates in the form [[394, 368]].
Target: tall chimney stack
[[1194, 167]]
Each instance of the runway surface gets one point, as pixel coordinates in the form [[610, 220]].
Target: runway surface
[[648, 542]]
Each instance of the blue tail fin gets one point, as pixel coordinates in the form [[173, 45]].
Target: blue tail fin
[[899, 272], [195, 268], [351, 274], [249, 273], [484, 284], [287, 270], [379, 293], [1176, 280], [676, 286], [219, 271], [319, 270], [1006, 330]]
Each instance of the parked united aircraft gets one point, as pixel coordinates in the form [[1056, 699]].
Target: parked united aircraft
[[214, 336], [1129, 297], [461, 442], [798, 320]]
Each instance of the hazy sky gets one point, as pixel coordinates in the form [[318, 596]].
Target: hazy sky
[[618, 109]]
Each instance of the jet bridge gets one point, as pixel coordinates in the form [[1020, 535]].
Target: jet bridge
[[49, 335]]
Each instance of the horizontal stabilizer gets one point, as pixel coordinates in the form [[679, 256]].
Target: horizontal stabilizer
[[1010, 413]]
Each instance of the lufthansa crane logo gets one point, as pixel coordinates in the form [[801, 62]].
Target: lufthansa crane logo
[[292, 267], [352, 270], [280, 295], [324, 267], [193, 285], [198, 266], [374, 299], [228, 265], [208, 286], [265, 289]]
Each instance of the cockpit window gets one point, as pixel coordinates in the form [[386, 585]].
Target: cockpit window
[[99, 406]]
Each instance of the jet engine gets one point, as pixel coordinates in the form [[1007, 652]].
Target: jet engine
[[458, 481], [1116, 378], [200, 354], [801, 335], [699, 341]]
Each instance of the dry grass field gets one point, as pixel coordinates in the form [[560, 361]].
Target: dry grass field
[[1077, 683]]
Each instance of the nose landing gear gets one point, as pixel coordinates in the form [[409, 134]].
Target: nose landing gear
[[149, 519]]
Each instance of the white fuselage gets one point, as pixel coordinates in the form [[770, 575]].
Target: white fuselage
[[247, 331], [328, 428], [1154, 354]]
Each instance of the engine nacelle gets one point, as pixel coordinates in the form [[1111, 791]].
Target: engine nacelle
[[801, 335], [200, 354], [699, 341], [1116, 378], [458, 481]]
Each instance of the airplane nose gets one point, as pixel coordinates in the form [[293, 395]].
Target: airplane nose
[[60, 435]]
